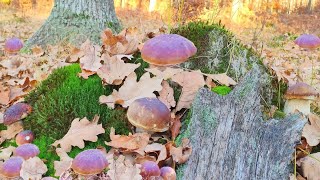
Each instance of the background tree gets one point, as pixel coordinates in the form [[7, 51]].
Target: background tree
[[75, 21]]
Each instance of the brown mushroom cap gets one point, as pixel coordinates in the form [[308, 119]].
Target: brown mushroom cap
[[149, 170], [89, 162], [308, 41], [11, 167], [301, 91], [16, 112], [168, 173], [13, 45], [167, 49], [149, 114], [24, 137], [26, 151]]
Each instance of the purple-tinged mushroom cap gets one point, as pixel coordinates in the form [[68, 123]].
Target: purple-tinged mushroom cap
[[16, 112], [168, 173], [26, 151], [89, 162], [308, 41], [11, 168], [149, 170], [24, 137], [167, 49], [13, 45]]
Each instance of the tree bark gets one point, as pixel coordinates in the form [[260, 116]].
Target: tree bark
[[75, 21], [230, 139]]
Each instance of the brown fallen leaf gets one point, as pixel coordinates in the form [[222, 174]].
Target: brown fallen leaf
[[166, 95], [180, 154], [85, 74], [64, 163], [310, 166], [37, 51], [175, 127], [191, 82], [33, 168], [210, 83], [120, 168], [11, 131], [160, 149], [223, 79], [5, 153], [114, 70], [80, 131], [165, 74], [4, 95], [134, 143], [91, 60], [312, 131], [132, 90]]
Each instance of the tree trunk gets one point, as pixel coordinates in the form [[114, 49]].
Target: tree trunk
[[75, 21], [230, 140]]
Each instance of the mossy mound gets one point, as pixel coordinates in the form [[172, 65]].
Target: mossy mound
[[61, 98]]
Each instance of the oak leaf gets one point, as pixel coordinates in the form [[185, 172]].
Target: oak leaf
[[165, 74], [11, 131], [91, 60], [33, 168], [121, 168], [132, 90], [5, 153], [4, 95], [312, 131], [114, 70], [180, 154], [223, 79], [166, 95], [310, 166], [191, 82], [156, 147], [64, 163], [80, 131]]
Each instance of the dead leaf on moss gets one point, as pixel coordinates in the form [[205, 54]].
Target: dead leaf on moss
[[312, 131], [64, 163], [91, 60], [165, 74], [223, 79], [132, 90], [121, 168], [175, 127], [5, 153], [160, 149], [166, 95], [132, 143], [114, 70], [80, 131], [11, 131], [310, 166], [4, 95], [191, 82], [180, 154], [33, 168]]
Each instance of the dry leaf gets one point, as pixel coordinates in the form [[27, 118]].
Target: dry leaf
[[11, 131], [155, 147], [175, 127], [114, 70], [223, 79], [311, 166], [166, 95], [132, 90], [122, 169], [4, 95], [91, 60], [134, 143], [210, 83], [165, 74], [181, 154], [85, 74], [64, 163], [191, 82], [33, 168], [37, 51], [312, 131], [80, 131], [5, 153]]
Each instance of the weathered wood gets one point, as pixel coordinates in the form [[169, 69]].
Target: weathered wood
[[230, 140]]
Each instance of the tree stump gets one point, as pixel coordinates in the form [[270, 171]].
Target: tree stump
[[230, 139]]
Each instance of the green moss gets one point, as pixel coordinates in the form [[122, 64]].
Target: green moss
[[221, 90], [62, 98]]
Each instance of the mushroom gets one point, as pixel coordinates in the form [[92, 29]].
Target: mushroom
[[16, 112], [26, 151], [24, 137], [149, 170], [299, 97], [168, 173], [89, 162], [308, 41], [13, 45], [149, 114], [167, 50], [10, 169]]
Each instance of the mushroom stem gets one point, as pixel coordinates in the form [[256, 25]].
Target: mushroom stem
[[302, 105]]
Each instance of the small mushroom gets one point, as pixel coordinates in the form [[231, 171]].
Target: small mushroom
[[16, 112], [167, 49], [168, 173], [299, 97], [13, 45], [308, 41], [24, 137], [89, 162], [26, 151], [149, 114], [10, 169], [149, 170]]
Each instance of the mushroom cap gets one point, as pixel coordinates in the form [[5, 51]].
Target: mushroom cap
[[13, 45], [149, 169], [168, 173], [167, 49], [308, 41], [16, 112], [149, 114], [11, 167], [89, 162], [26, 151], [301, 91], [24, 137]]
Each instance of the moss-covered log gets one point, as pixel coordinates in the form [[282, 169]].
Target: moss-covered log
[[230, 139], [75, 21]]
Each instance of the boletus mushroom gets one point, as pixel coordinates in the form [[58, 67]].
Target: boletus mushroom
[[26, 151], [16, 112], [308, 41], [168, 173], [13, 45], [149, 170], [24, 137], [10, 169]]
